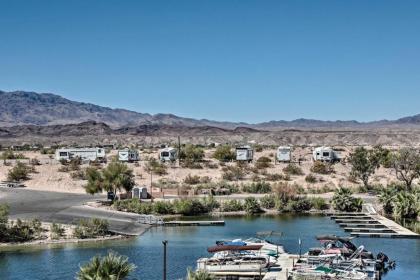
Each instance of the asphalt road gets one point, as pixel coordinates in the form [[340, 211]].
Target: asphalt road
[[66, 208]]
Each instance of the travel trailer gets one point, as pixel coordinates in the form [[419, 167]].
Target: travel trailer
[[244, 153], [326, 154], [284, 154], [168, 154], [85, 154], [128, 155]]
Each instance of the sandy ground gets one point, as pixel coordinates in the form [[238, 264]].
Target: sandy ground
[[47, 176]]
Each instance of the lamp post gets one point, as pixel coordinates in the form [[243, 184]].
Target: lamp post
[[165, 242]]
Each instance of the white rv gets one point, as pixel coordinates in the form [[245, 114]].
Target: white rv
[[128, 155], [168, 154], [85, 154], [284, 154], [245, 153], [326, 154]]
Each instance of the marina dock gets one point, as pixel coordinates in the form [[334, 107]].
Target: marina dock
[[371, 224], [285, 263], [195, 223]]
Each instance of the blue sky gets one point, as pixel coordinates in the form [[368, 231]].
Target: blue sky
[[224, 60]]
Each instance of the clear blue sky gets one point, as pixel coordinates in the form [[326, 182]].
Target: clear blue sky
[[225, 60]]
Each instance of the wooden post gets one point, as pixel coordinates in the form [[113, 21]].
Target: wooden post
[[165, 242]]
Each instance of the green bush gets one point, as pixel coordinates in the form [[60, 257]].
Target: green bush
[[57, 231], [293, 169], [189, 207], [19, 172], [301, 204], [257, 187], [133, 205], [192, 180], [252, 206], [263, 162], [91, 228], [163, 208], [233, 173], [345, 202], [224, 153], [11, 155], [268, 202], [322, 168], [310, 178], [320, 203], [191, 153], [232, 205]]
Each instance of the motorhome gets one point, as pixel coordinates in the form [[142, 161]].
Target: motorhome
[[128, 155], [85, 154], [168, 154], [244, 153], [326, 154], [284, 154]]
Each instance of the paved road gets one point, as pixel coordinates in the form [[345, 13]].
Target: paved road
[[65, 208]]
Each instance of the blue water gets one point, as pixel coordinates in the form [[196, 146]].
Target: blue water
[[187, 244]]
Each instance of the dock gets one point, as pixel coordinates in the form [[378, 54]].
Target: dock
[[371, 224], [285, 263], [194, 223]]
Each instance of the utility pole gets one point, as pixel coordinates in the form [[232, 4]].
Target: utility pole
[[164, 242], [179, 150]]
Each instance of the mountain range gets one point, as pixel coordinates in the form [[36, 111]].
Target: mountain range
[[21, 108]]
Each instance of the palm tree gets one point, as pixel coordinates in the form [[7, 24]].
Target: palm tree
[[198, 275], [386, 197], [344, 201], [405, 205], [110, 267]]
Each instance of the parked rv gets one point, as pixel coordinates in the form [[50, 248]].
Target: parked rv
[[168, 154], [85, 154], [128, 155], [244, 153], [284, 154], [326, 154]]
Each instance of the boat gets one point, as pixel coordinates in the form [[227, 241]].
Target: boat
[[234, 262]]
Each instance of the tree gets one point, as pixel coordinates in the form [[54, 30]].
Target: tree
[[18, 173], [191, 153], [406, 205], [386, 197], [406, 163], [110, 267], [198, 275], [4, 219], [224, 153], [344, 201], [252, 206], [364, 163], [115, 177]]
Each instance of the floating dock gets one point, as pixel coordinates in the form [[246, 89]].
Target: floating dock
[[195, 223], [371, 224]]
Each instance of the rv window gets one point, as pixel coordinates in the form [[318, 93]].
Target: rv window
[[317, 154], [63, 154], [165, 154], [99, 151], [326, 154]]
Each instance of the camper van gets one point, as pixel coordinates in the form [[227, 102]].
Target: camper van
[[284, 154], [245, 153], [168, 154], [128, 155], [326, 154], [85, 154]]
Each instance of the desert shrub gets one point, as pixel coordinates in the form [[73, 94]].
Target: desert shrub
[[34, 162], [78, 175], [252, 206], [233, 173], [191, 153], [285, 191], [310, 178], [258, 148], [11, 155], [263, 162], [233, 188], [191, 165], [298, 205], [322, 168], [19, 172], [320, 203], [268, 201], [211, 165], [57, 231], [192, 180], [155, 167], [210, 203], [224, 153], [293, 169], [91, 228], [133, 205], [257, 187], [273, 177], [189, 207], [20, 231], [47, 151], [163, 208], [232, 205]]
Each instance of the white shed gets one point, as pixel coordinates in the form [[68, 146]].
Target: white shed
[[128, 155], [86, 154], [244, 153], [284, 154], [326, 154], [168, 154]]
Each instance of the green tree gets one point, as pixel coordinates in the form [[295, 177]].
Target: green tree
[[4, 219], [406, 205], [364, 163], [191, 153], [19, 172], [198, 275], [406, 163], [224, 153], [386, 197], [115, 177], [110, 267], [252, 206]]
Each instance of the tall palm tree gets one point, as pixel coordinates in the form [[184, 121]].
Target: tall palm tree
[[198, 275], [110, 267]]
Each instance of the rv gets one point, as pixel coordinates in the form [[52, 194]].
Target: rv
[[245, 153], [326, 154], [128, 155], [85, 154], [284, 154], [168, 154]]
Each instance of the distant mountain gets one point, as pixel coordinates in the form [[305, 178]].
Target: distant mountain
[[20, 108]]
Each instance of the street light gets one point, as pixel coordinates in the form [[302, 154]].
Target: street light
[[164, 242]]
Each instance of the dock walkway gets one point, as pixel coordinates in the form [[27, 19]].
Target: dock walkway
[[285, 261], [195, 223]]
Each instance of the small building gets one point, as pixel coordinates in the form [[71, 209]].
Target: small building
[[244, 153], [128, 155], [326, 154], [85, 154], [168, 154], [284, 154]]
